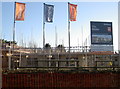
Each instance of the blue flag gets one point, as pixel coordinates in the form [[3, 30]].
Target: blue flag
[[48, 13]]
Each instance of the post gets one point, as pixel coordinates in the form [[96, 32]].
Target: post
[[68, 28], [55, 36], [58, 60], [14, 25], [86, 59], [43, 35], [119, 58], [13, 29], [82, 38], [43, 26], [20, 62], [9, 55]]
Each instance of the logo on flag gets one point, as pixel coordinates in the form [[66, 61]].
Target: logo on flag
[[72, 12], [48, 13], [20, 10]]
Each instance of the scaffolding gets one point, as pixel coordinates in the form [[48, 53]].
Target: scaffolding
[[59, 59]]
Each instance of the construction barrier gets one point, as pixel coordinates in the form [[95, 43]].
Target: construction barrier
[[75, 80]]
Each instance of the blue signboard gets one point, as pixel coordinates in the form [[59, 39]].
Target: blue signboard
[[101, 33]]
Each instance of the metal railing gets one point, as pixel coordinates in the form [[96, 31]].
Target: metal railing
[[68, 65], [51, 49]]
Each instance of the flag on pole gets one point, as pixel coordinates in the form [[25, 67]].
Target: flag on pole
[[72, 12], [20, 11], [48, 13]]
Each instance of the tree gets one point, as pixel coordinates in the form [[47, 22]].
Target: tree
[[60, 48], [47, 45], [5, 41], [47, 48]]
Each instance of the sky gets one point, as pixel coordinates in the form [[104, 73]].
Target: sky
[[30, 30]]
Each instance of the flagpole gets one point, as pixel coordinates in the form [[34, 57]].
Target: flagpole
[[82, 38], [68, 28], [14, 25], [43, 26], [13, 37], [55, 36]]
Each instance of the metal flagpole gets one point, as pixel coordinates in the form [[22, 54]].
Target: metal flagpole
[[13, 37], [55, 36], [68, 28], [43, 26], [14, 25], [82, 38]]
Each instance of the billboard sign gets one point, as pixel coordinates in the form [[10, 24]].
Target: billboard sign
[[101, 33]]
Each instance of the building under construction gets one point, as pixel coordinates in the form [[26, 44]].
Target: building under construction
[[59, 67], [79, 66], [57, 58]]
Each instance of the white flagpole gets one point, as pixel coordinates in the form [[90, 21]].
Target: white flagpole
[[68, 28], [14, 25], [13, 37], [55, 36], [82, 38], [43, 25]]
